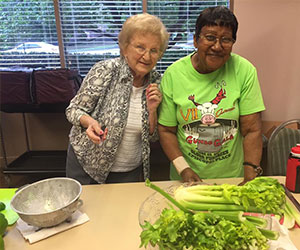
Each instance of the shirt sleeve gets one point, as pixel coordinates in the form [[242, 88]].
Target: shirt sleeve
[[167, 109], [251, 99], [88, 95]]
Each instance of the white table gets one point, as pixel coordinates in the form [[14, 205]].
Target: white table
[[113, 212]]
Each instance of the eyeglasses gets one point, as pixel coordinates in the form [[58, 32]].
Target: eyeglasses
[[154, 53], [225, 42]]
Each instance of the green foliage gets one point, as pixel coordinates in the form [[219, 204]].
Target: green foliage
[[1, 243], [201, 231], [265, 193], [2, 206], [3, 224]]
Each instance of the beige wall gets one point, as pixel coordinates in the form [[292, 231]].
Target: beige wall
[[268, 35]]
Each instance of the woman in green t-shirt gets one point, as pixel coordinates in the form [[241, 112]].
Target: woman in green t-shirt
[[209, 118]]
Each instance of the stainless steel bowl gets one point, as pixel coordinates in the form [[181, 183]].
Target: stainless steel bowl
[[48, 202]]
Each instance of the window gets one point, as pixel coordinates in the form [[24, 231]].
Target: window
[[88, 30], [180, 18], [28, 34]]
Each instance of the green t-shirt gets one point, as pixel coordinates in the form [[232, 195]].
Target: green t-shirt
[[206, 108]]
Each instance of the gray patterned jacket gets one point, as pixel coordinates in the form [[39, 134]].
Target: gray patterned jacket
[[104, 95]]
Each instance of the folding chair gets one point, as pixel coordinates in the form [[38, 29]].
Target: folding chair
[[281, 141]]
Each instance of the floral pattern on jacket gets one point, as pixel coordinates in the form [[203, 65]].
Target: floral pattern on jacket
[[105, 96]]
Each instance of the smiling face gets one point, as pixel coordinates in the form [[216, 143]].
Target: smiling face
[[211, 56], [142, 53]]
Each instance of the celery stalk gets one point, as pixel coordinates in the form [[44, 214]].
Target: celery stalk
[[199, 206], [231, 215], [183, 194], [292, 211], [257, 221], [166, 195], [271, 235], [204, 187], [288, 219], [214, 193]]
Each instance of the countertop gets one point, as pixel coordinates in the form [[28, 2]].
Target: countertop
[[113, 225]]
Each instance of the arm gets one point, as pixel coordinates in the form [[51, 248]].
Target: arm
[[84, 102], [252, 145], [169, 143], [154, 98], [152, 122], [91, 92]]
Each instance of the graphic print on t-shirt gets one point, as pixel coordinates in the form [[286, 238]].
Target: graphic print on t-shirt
[[210, 133], [208, 108]]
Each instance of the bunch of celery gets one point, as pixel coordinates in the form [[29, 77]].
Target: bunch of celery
[[262, 195], [223, 228]]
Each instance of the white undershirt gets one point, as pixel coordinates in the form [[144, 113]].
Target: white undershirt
[[129, 154]]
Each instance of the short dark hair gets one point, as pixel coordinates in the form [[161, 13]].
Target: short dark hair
[[216, 16]]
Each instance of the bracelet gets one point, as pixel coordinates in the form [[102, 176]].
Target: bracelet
[[257, 169]]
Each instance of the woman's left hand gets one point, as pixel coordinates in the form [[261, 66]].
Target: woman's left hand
[[249, 174], [153, 97]]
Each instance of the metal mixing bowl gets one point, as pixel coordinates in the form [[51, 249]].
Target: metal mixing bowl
[[48, 202]]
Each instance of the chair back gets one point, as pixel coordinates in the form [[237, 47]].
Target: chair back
[[279, 146]]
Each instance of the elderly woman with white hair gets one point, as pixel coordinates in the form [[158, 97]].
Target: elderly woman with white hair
[[114, 113]]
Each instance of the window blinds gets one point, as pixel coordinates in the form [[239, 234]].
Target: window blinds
[[90, 29], [180, 18]]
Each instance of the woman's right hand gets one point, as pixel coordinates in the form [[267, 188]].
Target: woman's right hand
[[188, 175], [95, 133], [94, 130]]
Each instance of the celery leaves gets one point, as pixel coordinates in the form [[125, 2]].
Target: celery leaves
[[201, 231]]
